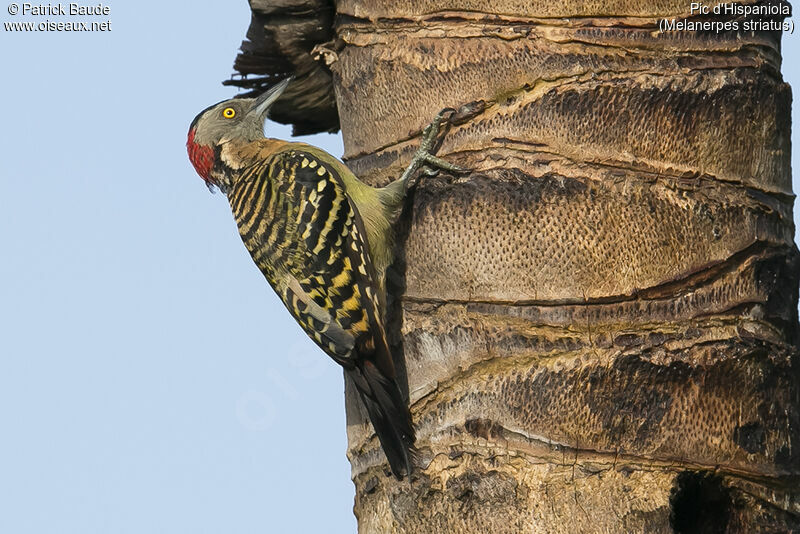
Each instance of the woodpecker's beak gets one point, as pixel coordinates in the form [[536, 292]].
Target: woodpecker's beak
[[268, 98]]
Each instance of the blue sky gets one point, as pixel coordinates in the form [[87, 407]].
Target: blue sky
[[150, 380]]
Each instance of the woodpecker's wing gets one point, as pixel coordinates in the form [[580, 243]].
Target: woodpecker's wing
[[317, 322], [307, 236], [338, 282], [332, 274]]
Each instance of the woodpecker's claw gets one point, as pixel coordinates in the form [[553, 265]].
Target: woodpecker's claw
[[431, 132], [439, 164], [424, 155]]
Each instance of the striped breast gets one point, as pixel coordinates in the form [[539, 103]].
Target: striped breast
[[308, 239]]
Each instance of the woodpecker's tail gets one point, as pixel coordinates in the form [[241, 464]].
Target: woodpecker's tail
[[389, 414]]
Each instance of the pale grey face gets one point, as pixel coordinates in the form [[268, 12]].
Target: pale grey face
[[227, 119], [238, 118]]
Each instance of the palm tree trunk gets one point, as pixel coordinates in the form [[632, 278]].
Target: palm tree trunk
[[599, 322]]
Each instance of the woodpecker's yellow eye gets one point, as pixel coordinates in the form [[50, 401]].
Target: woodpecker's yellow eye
[[229, 113]]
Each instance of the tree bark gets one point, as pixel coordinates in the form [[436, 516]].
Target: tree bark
[[598, 324]]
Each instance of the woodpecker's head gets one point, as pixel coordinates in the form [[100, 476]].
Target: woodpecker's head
[[240, 119]]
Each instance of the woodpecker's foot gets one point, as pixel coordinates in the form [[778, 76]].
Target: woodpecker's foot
[[424, 155]]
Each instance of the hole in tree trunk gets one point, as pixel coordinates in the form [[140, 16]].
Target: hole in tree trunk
[[699, 504]]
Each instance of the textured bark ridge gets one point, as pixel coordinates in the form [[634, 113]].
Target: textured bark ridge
[[599, 323]]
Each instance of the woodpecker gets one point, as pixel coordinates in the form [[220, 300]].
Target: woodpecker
[[323, 240]]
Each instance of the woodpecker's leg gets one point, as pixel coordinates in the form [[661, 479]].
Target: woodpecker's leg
[[424, 158]]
